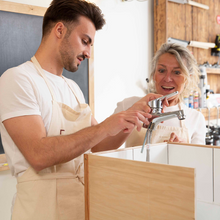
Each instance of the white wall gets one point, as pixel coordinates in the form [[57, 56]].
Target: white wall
[[7, 191], [122, 53]]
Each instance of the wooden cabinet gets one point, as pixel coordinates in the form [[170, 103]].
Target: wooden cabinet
[[117, 188], [179, 181], [190, 23]]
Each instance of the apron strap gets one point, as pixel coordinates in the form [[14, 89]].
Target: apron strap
[[40, 71], [182, 122], [72, 91]]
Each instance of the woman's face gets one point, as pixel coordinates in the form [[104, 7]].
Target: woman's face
[[168, 76]]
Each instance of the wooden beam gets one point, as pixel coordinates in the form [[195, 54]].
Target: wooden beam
[[22, 8], [160, 23]]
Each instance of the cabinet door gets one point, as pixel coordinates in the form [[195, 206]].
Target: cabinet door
[[200, 158]]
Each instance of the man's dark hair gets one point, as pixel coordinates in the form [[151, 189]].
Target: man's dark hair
[[68, 11]]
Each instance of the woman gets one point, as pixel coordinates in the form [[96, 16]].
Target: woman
[[173, 69]]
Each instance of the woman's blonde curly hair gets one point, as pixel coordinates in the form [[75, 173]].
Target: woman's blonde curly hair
[[188, 65]]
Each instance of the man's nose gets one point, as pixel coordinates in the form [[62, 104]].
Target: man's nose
[[87, 52]]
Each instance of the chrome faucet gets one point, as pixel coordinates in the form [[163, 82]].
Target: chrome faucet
[[156, 107]]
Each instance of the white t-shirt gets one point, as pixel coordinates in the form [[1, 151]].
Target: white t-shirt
[[24, 92], [195, 121]]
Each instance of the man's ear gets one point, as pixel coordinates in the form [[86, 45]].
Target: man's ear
[[60, 30]]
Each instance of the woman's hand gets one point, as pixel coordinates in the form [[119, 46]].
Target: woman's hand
[[175, 138]]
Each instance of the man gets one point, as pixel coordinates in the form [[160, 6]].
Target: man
[[46, 125]]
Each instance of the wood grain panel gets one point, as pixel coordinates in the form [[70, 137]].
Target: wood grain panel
[[213, 113], [176, 27], [214, 82], [195, 36], [213, 71], [160, 23], [22, 8], [126, 189], [188, 23], [214, 28], [202, 31]]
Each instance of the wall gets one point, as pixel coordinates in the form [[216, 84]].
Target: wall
[[7, 191], [122, 51]]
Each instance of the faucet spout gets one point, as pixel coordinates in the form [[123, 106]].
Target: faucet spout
[[158, 119], [165, 116]]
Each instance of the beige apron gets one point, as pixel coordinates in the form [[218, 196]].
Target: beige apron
[[57, 192], [160, 134]]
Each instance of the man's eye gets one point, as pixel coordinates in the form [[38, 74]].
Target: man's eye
[[84, 42]]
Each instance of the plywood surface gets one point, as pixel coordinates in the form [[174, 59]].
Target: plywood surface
[[22, 8], [126, 189]]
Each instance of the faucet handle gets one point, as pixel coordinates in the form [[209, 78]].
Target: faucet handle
[[156, 104], [168, 96]]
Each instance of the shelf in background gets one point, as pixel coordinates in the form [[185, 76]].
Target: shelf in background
[[213, 70], [213, 113]]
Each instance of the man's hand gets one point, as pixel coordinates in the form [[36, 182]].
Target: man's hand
[[142, 104], [125, 121]]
